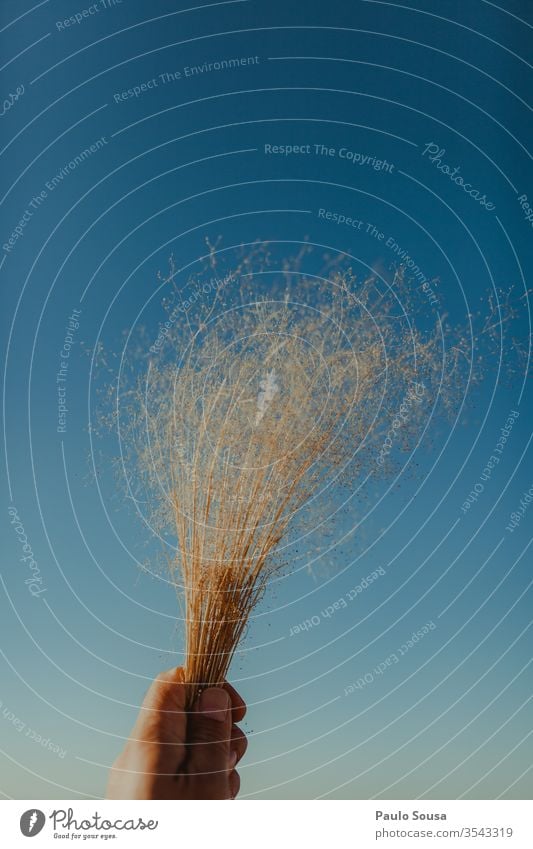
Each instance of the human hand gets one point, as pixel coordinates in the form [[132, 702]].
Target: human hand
[[172, 754]]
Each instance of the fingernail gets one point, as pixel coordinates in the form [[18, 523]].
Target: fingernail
[[214, 703], [232, 759]]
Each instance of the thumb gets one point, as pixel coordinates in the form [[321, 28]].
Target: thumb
[[208, 742]]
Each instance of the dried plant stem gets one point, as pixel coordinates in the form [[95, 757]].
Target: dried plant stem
[[273, 402]]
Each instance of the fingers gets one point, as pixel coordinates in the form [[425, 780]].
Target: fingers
[[238, 745], [234, 784], [209, 734], [237, 702]]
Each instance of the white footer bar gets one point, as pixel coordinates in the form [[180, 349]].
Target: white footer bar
[[309, 824]]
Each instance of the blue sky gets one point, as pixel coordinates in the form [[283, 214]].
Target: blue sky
[[182, 160]]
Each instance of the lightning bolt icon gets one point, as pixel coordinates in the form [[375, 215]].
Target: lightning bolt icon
[[33, 820]]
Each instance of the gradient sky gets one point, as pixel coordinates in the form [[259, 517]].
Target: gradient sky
[[184, 161]]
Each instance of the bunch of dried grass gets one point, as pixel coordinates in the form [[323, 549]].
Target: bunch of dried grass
[[263, 407]]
